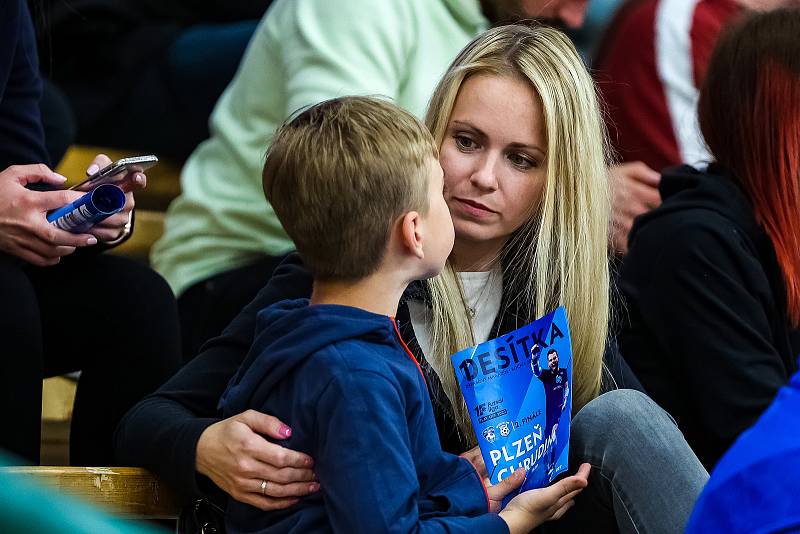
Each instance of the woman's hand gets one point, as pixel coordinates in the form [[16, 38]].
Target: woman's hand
[[234, 455], [531, 508], [24, 230], [116, 226]]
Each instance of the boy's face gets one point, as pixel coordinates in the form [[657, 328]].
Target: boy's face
[[438, 243]]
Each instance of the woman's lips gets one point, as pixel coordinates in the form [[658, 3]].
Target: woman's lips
[[476, 209]]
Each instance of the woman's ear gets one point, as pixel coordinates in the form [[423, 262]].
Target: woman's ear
[[411, 231]]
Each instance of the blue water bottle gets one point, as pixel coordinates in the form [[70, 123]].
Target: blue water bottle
[[93, 207]]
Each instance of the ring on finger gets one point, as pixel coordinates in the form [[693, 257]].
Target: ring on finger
[[264, 487]]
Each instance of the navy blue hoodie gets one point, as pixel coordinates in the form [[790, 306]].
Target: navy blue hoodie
[[359, 406]]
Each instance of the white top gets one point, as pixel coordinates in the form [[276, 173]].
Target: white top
[[483, 292]]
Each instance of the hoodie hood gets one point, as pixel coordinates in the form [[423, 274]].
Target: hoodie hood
[[287, 333], [684, 188]]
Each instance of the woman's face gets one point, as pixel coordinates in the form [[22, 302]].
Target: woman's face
[[493, 157]]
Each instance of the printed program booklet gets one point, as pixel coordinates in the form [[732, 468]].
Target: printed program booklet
[[518, 391]]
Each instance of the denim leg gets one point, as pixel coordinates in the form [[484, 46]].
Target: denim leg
[[645, 477]]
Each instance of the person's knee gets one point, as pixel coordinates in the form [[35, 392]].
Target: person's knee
[[148, 318], [138, 288], [623, 406], [628, 417], [20, 314]]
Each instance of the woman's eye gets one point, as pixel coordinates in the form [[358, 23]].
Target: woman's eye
[[521, 161], [464, 143]]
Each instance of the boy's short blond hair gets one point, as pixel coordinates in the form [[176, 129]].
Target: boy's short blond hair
[[340, 174]]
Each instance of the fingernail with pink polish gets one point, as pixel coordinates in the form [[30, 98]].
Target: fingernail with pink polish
[[93, 168], [313, 487], [91, 241], [60, 177], [285, 431]]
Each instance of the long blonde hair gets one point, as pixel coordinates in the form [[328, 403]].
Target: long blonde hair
[[559, 256]]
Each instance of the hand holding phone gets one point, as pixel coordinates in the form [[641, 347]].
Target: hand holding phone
[[117, 173]]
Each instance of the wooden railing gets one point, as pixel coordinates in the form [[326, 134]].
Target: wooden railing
[[125, 491]]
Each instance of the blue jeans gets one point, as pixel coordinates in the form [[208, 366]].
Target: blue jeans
[[645, 477]]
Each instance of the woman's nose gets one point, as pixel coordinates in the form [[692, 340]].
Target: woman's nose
[[485, 176]]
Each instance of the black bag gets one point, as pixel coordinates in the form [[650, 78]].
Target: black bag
[[201, 517]]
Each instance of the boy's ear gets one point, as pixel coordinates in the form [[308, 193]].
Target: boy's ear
[[411, 231]]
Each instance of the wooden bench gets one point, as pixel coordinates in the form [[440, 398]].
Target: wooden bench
[[128, 492]]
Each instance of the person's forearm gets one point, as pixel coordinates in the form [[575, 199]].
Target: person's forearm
[[161, 435]]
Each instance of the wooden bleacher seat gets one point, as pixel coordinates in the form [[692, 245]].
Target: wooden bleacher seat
[[125, 491]]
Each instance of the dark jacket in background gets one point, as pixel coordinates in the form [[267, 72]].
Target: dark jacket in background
[[21, 135], [359, 406], [708, 334], [110, 42], [161, 432]]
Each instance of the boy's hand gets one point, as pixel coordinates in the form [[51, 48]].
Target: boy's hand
[[530, 509], [475, 457], [499, 491]]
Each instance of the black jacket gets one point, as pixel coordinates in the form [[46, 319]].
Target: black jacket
[[21, 134], [161, 432], [708, 334]]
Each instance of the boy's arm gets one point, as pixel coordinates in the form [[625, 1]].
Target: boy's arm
[[367, 474]]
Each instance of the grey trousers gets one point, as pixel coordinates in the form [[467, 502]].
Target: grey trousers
[[645, 477]]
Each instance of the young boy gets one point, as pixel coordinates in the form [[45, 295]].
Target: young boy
[[356, 184]]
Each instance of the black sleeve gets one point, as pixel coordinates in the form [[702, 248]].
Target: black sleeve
[[161, 432], [21, 134]]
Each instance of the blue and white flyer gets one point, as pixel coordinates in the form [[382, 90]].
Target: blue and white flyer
[[517, 389]]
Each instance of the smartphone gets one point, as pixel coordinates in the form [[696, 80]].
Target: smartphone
[[117, 172]]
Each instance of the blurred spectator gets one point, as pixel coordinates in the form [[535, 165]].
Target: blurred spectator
[[648, 68], [164, 64], [66, 309], [712, 280], [598, 16]]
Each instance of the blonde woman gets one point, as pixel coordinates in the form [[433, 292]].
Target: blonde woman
[[522, 148]]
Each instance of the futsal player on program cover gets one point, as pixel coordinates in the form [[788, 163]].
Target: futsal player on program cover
[[556, 391]]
